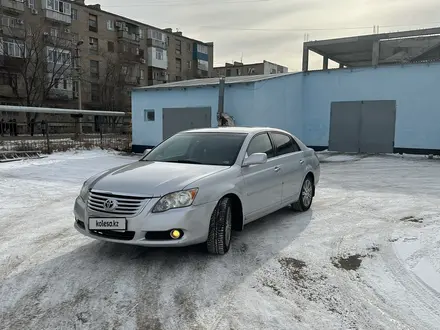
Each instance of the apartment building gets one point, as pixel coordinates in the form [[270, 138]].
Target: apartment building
[[91, 53], [240, 69]]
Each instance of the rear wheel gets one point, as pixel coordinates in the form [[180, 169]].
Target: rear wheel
[[306, 196], [220, 228]]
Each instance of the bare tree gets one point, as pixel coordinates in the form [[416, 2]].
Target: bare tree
[[37, 58], [116, 82]]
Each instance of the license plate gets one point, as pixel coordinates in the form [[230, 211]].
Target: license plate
[[107, 223]]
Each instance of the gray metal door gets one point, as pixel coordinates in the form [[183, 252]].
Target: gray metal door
[[179, 119], [378, 123], [344, 126]]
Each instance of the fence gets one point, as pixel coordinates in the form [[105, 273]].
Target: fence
[[49, 137]]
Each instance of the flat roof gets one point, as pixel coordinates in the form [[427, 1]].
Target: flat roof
[[214, 81], [357, 51]]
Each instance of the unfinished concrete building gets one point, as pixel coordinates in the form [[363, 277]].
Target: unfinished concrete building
[[377, 49]]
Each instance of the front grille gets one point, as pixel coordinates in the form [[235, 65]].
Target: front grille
[[124, 236], [122, 205]]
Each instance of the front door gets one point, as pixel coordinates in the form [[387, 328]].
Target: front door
[[262, 183]]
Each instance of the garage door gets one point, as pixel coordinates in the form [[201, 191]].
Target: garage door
[[344, 126], [362, 126], [179, 119]]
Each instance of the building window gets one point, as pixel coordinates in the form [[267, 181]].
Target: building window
[[124, 70], [149, 115], [188, 46], [110, 46], [202, 49], [31, 4], [9, 21], [203, 65], [59, 6], [94, 92], [8, 79], [159, 54], [93, 23], [178, 47], [93, 45], [61, 83], [141, 33], [238, 72], [74, 14], [189, 65], [178, 65], [142, 74], [58, 56], [228, 72], [178, 78], [110, 25], [54, 32], [141, 53], [154, 34], [94, 69]]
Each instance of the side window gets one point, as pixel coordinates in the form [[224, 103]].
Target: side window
[[261, 143], [284, 144]]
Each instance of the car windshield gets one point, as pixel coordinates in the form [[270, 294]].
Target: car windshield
[[199, 148]]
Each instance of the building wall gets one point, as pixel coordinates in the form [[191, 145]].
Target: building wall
[[149, 133], [300, 103], [414, 87]]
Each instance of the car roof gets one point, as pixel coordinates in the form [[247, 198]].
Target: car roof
[[235, 129]]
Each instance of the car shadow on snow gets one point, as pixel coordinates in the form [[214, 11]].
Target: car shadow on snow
[[115, 285]]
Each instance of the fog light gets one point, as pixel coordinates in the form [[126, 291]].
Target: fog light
[[175, 234]]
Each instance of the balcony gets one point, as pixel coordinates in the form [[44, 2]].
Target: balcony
[[57, 16], [157, 43], [127, 36], [60, 94], [13, 6], [135, 81], [13, 63]]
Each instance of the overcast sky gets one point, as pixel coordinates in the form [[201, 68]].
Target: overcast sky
[[274, 30]]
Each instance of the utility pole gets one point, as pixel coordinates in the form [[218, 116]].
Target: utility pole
[[78, 75], [221, 99]]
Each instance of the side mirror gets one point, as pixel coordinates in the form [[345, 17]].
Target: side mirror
[[146, 152], [255, 159]]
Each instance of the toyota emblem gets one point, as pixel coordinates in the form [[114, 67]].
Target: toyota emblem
[[110, 204]]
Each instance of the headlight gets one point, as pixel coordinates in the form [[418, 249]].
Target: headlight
[[175, 200], [84, 191]]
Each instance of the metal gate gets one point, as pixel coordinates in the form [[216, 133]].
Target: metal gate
[[179, 119], [362, 126]]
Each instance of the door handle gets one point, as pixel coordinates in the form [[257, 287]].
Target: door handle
[[276, 168], [301, 161]]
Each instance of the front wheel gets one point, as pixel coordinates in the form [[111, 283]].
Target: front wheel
[[220, 228], [306, 196]]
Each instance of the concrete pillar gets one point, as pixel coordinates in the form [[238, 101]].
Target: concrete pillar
[[325, 63], [305, 64], [375, 54]]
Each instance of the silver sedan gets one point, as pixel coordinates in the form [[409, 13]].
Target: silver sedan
[[198, 186]]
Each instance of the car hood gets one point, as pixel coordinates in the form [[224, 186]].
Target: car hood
[[153, 179]]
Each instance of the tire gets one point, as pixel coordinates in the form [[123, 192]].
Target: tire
[[220, 228], [306, 196]]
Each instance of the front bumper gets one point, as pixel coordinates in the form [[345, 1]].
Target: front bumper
[[193, 221]]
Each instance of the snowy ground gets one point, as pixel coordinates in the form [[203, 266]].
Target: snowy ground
[[367, 256]]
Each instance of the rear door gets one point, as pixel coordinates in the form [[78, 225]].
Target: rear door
[[290, 159], [262, 183]]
